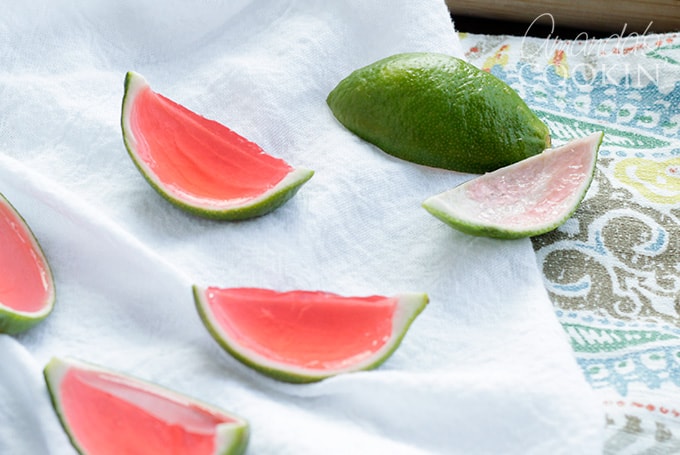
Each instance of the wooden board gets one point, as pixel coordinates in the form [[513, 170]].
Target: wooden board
[[623, 16]]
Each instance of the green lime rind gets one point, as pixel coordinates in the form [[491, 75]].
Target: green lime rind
[[270, 200], [410, 306], [230, 438], [12, 321], [445, 206], [480, 230], [439, 111]]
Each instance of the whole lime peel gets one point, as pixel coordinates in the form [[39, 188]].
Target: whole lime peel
[[107, 412], [306, 336], [27, 292], [439, 111], [524, 199], [199, 164]]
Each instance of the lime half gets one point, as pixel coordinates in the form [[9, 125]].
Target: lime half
[[440, 111]]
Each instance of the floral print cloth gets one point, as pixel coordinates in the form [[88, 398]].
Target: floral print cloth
[[613, 269]]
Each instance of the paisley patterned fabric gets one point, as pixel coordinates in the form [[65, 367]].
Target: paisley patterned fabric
[[613, 270]]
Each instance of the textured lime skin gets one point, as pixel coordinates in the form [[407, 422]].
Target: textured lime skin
[[439, 111], [13, 322]]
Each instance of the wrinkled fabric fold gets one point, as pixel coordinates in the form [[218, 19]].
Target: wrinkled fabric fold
[[486, 367]]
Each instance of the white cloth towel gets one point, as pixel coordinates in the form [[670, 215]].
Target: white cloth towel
[[486, 367]]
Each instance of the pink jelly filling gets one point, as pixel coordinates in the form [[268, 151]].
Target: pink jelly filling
[[198, 157], [24, 276], [111, 415], [533, 193], [313, 330]]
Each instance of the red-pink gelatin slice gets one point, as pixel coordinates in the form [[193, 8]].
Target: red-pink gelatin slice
[[111, 415], [25, 280], [198, 157], [532, 195], [309, 329], [526, 198]]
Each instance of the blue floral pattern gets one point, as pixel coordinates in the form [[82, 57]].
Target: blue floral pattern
[[613, 270]]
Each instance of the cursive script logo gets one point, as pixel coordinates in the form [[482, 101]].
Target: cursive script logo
[[585, 45]]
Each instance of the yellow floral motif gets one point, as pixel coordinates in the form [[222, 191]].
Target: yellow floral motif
[[658, 181], [559, 61], [499, 58]]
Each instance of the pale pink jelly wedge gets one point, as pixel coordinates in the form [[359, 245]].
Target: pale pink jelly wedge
[[199, 164], [26, 285], [527, 198], [304, 336], [108, 413]]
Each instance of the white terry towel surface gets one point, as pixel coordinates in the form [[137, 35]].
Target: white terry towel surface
[[484, 369]]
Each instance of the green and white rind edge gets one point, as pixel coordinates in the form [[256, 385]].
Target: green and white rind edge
[[438, 206], [230, 438], [13, 321], [222, 210], [409, 306]]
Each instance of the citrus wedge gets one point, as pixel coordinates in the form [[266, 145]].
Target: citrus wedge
[[107, 413], [198, 164], [438, 110], [26, 284], [306, 336], [527, 198]]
